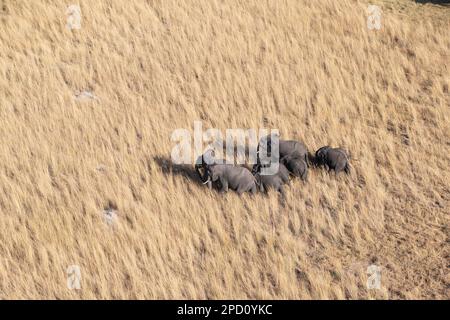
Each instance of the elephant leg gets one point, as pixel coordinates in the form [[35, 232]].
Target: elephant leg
[[339, 167], [284, 177], [224, 183], [253, 189], [224, 186], [305, 175], [241, 189], [282, 192]]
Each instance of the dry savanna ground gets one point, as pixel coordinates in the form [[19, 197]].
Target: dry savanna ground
[[312, 69]]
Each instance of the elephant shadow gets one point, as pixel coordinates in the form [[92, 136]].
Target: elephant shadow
[[183, 170]]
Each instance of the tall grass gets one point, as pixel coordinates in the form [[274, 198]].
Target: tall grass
[[309, 68]]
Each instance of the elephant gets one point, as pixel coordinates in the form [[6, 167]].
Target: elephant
[[293, 148], [335, 159], [274, 181], [236, 178], [297, 166]]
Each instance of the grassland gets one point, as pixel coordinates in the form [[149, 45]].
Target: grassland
[[309, 68]]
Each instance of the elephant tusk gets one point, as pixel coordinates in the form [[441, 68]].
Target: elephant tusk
[[206, 181]]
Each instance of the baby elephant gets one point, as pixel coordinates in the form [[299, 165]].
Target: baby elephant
[[297, 166], [273, 181], [239, 179], [333, 158]]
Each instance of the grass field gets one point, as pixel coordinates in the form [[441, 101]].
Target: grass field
[[312, 69]]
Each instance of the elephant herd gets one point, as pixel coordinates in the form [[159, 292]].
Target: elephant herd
[[294, 161]]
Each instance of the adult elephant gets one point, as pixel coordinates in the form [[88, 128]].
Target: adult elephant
[[232, 177], [335, 159], [287, 148]]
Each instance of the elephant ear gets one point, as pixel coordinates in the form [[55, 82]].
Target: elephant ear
[[321, 152], [319, 156], [209, 157], [285, 159]]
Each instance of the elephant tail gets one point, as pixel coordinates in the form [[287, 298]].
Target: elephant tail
[[347, 168], [310, 159]]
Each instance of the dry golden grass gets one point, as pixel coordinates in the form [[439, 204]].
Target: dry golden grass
[[310, 68]]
